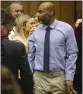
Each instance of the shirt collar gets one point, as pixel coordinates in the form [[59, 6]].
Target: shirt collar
[[53, 25]]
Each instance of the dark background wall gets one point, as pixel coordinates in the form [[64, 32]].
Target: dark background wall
[[67, 11]]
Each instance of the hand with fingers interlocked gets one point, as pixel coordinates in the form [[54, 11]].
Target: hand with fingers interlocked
[[70, 87]]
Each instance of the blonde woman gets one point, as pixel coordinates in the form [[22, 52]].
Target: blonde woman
[[30, 25], [24, 24]]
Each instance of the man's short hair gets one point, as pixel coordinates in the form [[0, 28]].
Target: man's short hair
[[6, 18], [12, 2]]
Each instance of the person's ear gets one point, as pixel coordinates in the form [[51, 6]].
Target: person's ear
[[51, 13]]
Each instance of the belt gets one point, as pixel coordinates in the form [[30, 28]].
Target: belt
[[50, 73]]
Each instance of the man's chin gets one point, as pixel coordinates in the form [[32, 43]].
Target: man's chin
[[43, 21], [46, 23]]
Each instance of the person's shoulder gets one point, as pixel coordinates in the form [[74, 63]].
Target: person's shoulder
[[40, 26], [12, 43], [17, 44], [14, 47], [64, 27], [18, 47], [65, 24]]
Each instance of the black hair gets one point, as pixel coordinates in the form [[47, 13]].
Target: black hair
[[6, 18]]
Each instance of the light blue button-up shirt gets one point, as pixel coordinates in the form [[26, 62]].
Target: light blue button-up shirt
[[63, 48]]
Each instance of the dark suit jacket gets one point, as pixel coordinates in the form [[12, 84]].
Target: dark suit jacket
[[14, 59]]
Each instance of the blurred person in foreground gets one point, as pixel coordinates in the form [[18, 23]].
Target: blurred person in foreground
[[9, 84], [52, 53], [13, 54]]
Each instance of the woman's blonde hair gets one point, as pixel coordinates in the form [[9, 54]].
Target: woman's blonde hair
[[20, 24]]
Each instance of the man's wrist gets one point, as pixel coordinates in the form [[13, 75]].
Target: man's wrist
[[69, 77]]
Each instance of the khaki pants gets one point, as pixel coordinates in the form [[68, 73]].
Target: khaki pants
[[49, 83]]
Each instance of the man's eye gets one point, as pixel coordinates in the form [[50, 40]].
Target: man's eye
[[22, 11], [17, 10]]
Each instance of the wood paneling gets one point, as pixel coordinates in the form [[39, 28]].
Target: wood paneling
[[31, 7], [57, 9], [78, 9], [66, 11]]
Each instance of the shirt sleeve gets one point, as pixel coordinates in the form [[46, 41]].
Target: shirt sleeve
[[71, 54], [31, 51]]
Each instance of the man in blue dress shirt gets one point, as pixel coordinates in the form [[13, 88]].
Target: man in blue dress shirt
[[62, 55]]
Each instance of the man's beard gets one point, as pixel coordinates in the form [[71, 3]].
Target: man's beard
[[45, 22]]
